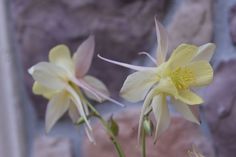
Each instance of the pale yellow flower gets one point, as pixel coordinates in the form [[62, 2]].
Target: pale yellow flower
[[187, 67], [62, 77]]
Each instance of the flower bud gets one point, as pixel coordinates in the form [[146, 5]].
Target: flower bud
[[148, 126], [113, 126]]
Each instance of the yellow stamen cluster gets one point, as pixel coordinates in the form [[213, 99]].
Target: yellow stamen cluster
[[182, 78]]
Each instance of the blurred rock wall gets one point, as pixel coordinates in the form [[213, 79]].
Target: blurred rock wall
[[125, 27], [220, 109]]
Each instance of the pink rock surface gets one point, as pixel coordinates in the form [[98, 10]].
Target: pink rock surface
[[178, 139], [52, 147]]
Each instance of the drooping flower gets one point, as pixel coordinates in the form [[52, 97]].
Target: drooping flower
[[187, 67], [61, 79]]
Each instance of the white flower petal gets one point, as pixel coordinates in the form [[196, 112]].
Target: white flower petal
[[99, 95], [76, 100], [189, 97], [133, 67], [146, 106], [205, 52], [73, 112], [202, 72], [90, 135], [162, 42], [39, 89], [48, 75], [60, 55], [49, 67], [167, 86], [138, 84], [161, 113], [83, 56], [95, 84], [110, 99], [48, 80], [82, 84], [184, 110], [182, 55], [56, 107]]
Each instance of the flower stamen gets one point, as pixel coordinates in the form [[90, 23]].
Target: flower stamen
[[182, 78]]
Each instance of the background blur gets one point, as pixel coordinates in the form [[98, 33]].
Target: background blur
[[122, 28]]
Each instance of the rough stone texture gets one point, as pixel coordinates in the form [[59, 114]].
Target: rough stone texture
[[122, 29], [220, 109], [192, 23], [225, 49], [178, 139], [232, 23], [52, 147]]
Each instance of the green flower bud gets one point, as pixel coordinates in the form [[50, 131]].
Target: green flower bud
[[113, 126], [148, 126]]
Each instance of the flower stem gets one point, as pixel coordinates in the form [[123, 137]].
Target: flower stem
[[143, 142], [104, 123], [112, 136]]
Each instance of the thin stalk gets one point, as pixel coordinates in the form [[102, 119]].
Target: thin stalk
[[112, 136], [104, 123], [143, 142]]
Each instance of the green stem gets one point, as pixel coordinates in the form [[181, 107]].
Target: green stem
[[112, 136], [104, 123], [143, 144]]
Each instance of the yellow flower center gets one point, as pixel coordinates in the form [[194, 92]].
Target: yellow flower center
[[182, 78]]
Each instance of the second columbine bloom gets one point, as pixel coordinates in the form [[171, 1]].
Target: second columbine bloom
[[187, 67]]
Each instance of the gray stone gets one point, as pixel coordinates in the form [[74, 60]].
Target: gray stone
[[220, 109], [192, 23], [225, 49], [232, 23]]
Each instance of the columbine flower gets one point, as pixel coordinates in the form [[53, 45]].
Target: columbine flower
[[62, 78], [187, 67]]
